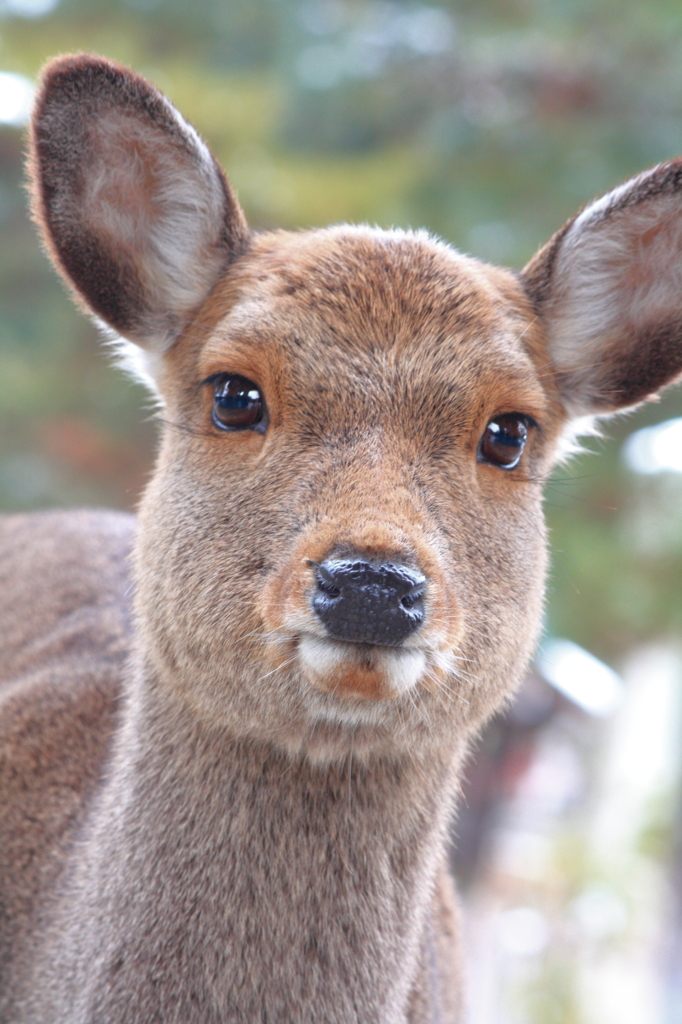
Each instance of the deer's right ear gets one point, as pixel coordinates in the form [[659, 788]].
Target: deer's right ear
[[134, 209], [608, 288]]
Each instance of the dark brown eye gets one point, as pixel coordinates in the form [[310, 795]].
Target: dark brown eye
[[237, 402], [504, 440]]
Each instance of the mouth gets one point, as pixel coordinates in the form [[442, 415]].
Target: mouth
[[367, 672]]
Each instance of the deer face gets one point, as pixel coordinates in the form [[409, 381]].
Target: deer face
[[368, 547]]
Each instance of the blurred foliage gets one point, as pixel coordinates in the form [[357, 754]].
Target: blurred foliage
[[487, 121]]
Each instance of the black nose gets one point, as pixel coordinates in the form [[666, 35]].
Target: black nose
[[369, 604]]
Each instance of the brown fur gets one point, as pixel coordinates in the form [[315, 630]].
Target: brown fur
[[218, 813]]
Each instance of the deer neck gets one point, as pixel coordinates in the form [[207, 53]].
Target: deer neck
[[293, 884]]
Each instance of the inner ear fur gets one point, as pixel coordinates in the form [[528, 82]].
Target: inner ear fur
[[135, 211], [608, 287]]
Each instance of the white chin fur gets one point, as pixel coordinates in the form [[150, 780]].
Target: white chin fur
[[401, 667]]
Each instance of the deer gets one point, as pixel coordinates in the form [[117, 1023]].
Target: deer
[[233, 726]]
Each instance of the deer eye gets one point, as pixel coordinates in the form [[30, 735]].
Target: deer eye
[[237, 403], [504, 439]]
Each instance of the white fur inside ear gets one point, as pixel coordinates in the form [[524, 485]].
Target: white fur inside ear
[[619, 271], [570, 442], [160, 201], [143, 365]]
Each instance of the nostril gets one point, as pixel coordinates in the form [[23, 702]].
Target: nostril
[[324, 579], [328, 588], [325, 583], [413, 598]]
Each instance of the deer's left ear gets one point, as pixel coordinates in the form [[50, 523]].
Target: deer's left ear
[[608, 287], [136, 213]]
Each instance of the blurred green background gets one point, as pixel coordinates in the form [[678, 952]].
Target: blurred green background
[[487, 121]]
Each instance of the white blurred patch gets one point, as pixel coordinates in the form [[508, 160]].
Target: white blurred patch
[[655, 449], [16, 98], [599, 912], [28, 8], [523, 931], [581, 677]]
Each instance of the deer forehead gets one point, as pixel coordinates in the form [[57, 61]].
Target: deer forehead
[[377, 311]]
